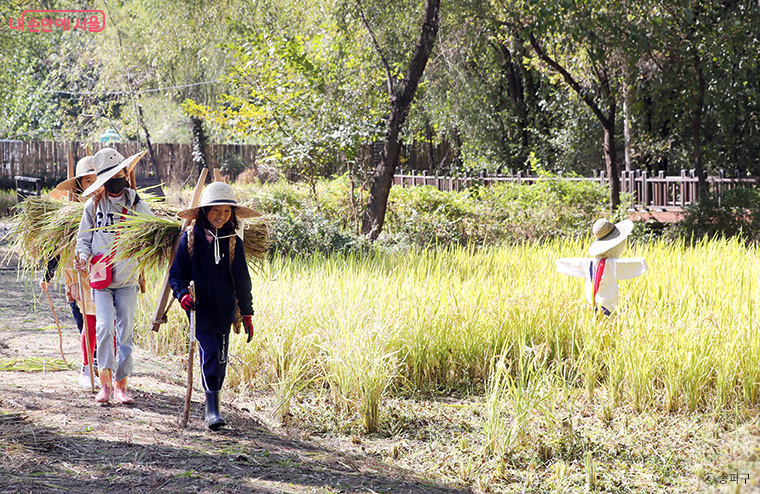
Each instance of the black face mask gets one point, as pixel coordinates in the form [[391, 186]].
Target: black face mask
[[115, 185]]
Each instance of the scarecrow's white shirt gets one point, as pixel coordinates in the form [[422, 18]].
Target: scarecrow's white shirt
[[614, 269]]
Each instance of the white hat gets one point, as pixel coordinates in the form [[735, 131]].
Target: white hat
[[108, 162], [609, 235], [85, 167], [218, 194]]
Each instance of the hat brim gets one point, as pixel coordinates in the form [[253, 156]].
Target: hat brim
[[70, 185], [240, 211], [130, 163], [612, 239]]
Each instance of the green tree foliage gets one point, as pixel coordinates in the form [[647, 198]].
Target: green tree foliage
[[312, 83], [302, 97]]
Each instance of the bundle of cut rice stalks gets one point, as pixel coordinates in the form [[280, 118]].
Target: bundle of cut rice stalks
[[43, 228], [150, 239]]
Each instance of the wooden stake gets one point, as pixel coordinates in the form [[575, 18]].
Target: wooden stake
[[190, 360], [86, 331], [159, 316], [58, 324], [71, 173]]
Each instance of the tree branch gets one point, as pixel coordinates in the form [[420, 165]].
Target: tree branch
[[388, 75], [569, 79]]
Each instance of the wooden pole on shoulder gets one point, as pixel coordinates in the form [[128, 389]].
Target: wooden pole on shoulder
[[159, 316]]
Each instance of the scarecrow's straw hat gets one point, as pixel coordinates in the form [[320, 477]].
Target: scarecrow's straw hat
[[609, 235], [108, 162], [218, 194]]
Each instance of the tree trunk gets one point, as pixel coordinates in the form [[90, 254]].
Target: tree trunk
[[429, 148], [629, 165], [610, 155], [607, 121], [199, 144], [151, 154], [401, 96], [698, 96]]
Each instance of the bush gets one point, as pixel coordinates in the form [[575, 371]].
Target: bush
[[492, 215], [734, 213], [232, 167], [307, 232], [426, 216], [7, 202]]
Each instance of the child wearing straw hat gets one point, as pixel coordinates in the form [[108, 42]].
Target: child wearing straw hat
[[116, 299], [605, 267], [82, 305], [212, 256]]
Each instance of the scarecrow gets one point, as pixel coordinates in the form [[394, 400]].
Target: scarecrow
[[605, 266]]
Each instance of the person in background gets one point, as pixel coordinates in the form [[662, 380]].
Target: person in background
[[82, 306]]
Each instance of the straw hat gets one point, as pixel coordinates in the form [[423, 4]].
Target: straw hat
[[609, 235], [85, 167], [218, 194], [108, 162]]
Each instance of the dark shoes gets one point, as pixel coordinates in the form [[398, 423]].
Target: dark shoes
[[213, 419]]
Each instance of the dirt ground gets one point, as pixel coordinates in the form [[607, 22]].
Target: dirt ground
[[54, 438]]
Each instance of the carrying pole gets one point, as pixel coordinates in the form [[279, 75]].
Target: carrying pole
[[190, 360], [58, 324], [86, 331], [159, 316]]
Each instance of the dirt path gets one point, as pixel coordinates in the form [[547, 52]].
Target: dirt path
[[54, 438]]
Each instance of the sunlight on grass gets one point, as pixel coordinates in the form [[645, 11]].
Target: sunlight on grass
[[685, 336]]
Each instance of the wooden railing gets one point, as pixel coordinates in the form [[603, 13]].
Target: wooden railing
[[174, 162], [647, 191]]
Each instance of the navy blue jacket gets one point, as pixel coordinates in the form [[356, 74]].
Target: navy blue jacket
[[215, 293]]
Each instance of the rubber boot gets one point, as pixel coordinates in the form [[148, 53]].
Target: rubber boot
[[120, 393], [213, 419], [104, 395]]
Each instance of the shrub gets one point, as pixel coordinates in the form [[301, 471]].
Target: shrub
[[307, 232], [7, 202], [232, 167], [736, 212], [495, 214]]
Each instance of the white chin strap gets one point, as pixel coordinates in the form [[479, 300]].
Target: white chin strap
[[217, 254]]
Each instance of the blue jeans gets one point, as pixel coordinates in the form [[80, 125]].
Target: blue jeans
[[115, 310]]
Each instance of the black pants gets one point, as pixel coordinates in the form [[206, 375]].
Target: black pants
[[77, 315], [213, 349]]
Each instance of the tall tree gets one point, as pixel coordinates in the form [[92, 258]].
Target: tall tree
[[401, 92], [587, 44]]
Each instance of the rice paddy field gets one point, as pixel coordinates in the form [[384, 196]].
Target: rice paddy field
[[486, 367]]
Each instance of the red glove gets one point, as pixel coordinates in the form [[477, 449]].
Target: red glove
[[248, 326], [187, 302]]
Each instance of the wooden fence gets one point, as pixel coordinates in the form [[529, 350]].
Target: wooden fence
[[174, 165], [174, 162], [647, 192]]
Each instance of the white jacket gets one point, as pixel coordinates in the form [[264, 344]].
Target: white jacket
[[615, 269], [91, 241]]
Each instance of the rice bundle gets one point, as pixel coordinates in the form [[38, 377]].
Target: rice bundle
[[150, 240], [43, 228]]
